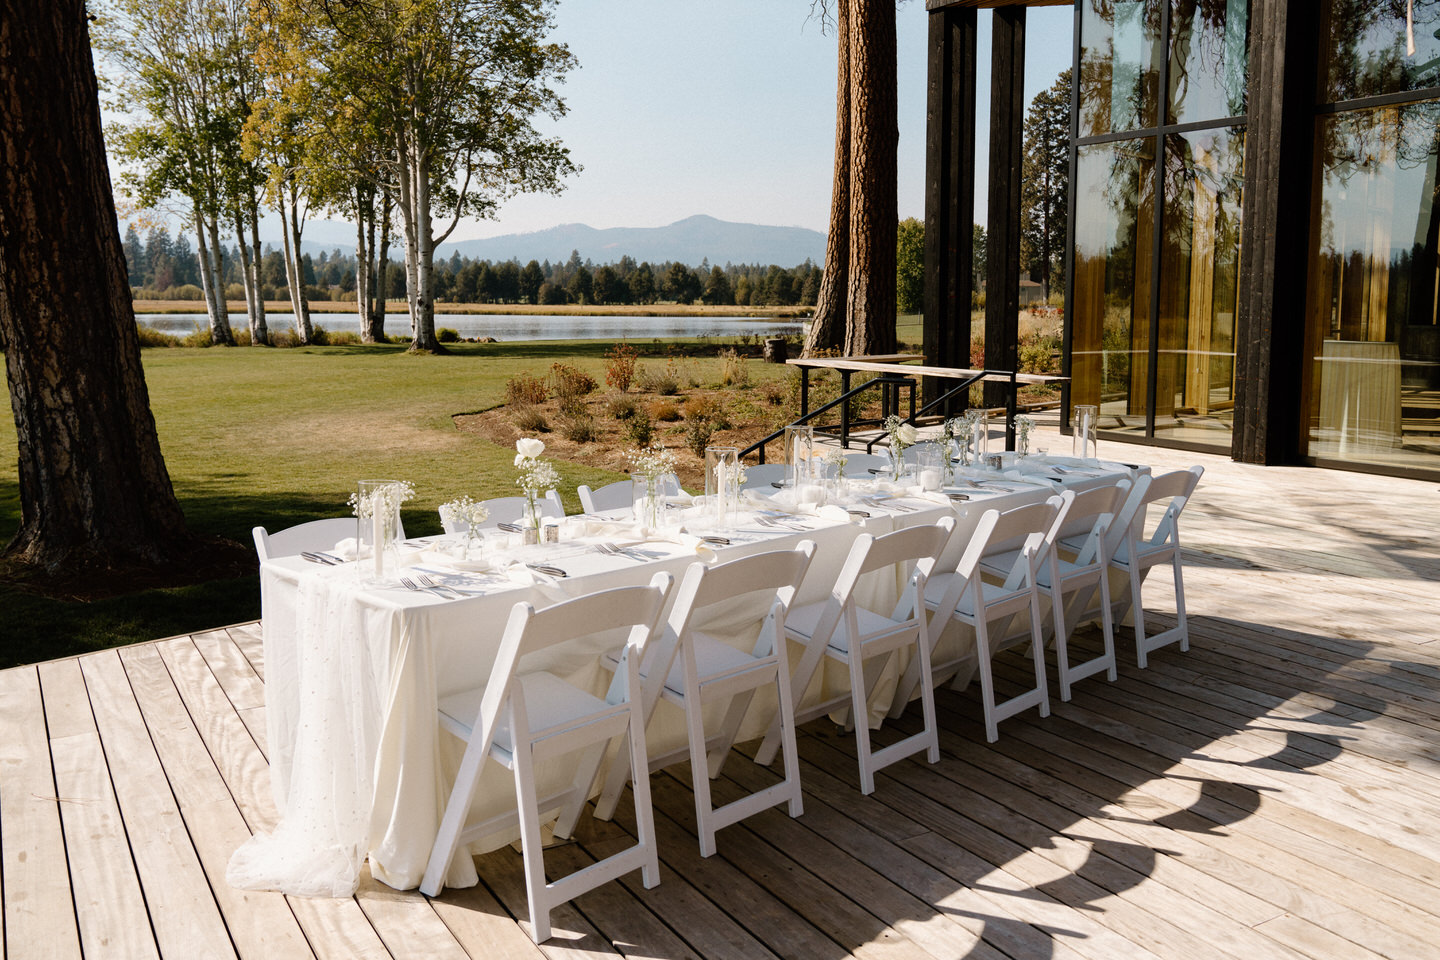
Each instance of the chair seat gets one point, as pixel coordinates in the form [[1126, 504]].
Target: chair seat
[[1148, 553], [992, 593], [1001, 563], [711, 657], [551, 702], [802, 621]]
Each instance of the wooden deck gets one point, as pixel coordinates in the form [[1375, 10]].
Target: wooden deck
[[1274, 793]]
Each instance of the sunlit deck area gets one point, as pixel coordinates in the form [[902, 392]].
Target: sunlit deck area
[[1272, 793]]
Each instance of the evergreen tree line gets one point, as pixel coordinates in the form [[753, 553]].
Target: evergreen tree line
[[162, 268]]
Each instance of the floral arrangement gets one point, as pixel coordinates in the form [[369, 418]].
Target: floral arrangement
[[837, 458], [536, 476], [902, 434], [653, 463], [464, 510], [390, 496], [1023, 426]]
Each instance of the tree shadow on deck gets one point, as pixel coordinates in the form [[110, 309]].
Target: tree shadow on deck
[[1004, 849]]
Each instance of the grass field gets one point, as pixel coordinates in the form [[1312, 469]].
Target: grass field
[[277, 437]]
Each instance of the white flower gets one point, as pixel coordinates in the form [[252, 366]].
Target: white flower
[[528, 449], [908, 434]]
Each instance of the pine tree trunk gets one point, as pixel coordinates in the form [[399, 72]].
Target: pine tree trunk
[[94, 492], [827, 329], [874, 138]]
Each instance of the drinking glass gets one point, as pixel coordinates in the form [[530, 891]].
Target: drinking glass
[[1083, 421]]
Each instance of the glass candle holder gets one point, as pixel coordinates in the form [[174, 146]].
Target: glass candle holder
[[377, 523], [931, 459], [1083, 422], [800, 455], [722, 484]]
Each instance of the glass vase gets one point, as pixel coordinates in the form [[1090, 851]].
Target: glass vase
[[377, 518], [1083, 422], [645, 499], [722, 485], [800, 455], [980, 439]]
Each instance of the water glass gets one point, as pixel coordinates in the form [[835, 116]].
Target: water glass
[[1083, 421]]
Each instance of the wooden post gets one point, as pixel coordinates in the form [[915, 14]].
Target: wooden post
[[775, 350], [1002, 244], [949, 191], [1270, 313]]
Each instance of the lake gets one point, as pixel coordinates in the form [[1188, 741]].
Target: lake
[[507, 327]]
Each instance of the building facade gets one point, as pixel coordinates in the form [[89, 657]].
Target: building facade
[[1253, 251]]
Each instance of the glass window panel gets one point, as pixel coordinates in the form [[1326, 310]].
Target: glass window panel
[[1199, 268], [1114, 235], [1119, 65], [1363, 48], [1209, 42], [1373, 381]]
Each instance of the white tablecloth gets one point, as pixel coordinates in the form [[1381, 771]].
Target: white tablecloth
[[354, 669]]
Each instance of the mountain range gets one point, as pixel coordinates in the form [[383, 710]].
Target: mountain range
[[688, 241]]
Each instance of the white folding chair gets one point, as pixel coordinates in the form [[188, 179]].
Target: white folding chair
[[314, 535], [617, 495], [964, 595], [764, 474], [509, 510], [1072, 575], [1133, 552], [840, 629], [518, 720], [691, 669], [859, 465]]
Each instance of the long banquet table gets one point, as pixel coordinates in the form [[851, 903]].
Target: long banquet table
[[355, 668]]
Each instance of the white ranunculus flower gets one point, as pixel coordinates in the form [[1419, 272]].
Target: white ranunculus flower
[[529, 448], [908, 434]]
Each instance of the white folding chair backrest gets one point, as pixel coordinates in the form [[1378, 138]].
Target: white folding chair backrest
[[860, 464], [763, 474], [501, 729], [1175, 488], [315, 535], [778, 572], [617, 495], [510, 510], [1091, 517]]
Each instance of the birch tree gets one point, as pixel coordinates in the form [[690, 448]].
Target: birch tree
[[180, 123]]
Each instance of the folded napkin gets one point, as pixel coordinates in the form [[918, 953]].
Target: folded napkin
[[347, 549]]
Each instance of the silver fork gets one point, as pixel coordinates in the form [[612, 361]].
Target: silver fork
[[409, 584], [614, 550], [435, 585]]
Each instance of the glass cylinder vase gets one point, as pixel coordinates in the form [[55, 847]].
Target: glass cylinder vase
[[800, 455], [646, 502], [1083, 422], [980, 438], [377, 516], [722, 484]]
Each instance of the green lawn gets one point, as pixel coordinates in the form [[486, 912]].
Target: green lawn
[[277, 437]]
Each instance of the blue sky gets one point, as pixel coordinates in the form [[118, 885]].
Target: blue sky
[[727, 108]]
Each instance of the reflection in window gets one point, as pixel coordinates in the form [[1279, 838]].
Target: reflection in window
[[1363, 48], [1119, 65], [1373, 339], [1199, 270], [1208, 50], [1114, 238]]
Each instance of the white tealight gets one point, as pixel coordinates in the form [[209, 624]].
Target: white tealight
[[930, 479], [810, 493]]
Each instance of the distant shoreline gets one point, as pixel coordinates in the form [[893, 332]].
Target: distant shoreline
[[237, 309]]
